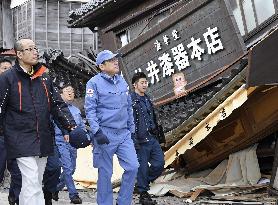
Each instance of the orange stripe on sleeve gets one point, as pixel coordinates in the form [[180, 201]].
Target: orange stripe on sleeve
[[47, 95], [20, 94]]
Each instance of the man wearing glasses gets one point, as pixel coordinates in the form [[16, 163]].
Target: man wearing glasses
[[68, 153], [27, 99], [109, 112]]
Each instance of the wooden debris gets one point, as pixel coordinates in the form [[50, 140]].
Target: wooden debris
[[195, 194], [203, 202], [181, 194]]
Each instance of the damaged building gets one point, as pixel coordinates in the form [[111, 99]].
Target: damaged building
[[211, 68], [211, 65]]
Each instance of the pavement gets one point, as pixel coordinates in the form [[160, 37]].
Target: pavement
[[88, 197], [63, 200]]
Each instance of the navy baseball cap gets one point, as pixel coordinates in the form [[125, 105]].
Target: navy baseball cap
[[105, 55], [79, 138]]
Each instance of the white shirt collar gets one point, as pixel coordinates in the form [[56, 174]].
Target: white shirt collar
[[25, 70]]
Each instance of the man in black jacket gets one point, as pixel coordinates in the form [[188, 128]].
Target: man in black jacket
[[27, 99], [15, 185], [146, 138]]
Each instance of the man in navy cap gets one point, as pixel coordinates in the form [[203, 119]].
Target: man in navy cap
[[109, 112]]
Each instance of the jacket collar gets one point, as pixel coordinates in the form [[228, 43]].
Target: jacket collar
[[137, 96], [39, 69], [107, 77], [69, 104]]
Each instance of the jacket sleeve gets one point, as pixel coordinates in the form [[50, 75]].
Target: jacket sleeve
[[130, 122], [60, 127], [135, 113], [153, 112], [91, 100], [4, 95], [60, 111], [81, 122]]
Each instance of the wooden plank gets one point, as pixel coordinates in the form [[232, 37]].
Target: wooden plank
[[242, 198], [181, 194], [229, 202], [195, 194]]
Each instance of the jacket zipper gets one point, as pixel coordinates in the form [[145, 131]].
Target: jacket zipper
[[37, 124], [1, 105]]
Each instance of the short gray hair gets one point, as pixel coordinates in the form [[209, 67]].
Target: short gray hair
[[18, 46]]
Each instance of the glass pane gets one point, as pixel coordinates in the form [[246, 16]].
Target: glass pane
[[264, 9], [249, 14], [124, 38], [237, 14]]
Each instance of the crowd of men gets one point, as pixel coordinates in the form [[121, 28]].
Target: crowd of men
[[41, 130]]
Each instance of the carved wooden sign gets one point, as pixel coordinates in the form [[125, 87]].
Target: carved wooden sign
[[185, 48]]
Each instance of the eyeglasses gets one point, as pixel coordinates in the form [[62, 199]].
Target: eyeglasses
[[31, 49]]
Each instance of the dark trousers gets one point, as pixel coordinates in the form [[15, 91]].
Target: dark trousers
[[3, 158], [15, 186], [52, 172], [149, 152], [12, 166]]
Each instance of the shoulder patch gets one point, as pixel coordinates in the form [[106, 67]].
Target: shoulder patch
[[90, 92]]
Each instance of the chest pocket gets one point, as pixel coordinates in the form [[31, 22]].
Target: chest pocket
[[113, 98]]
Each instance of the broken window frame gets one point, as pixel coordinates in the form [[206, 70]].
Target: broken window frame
[[258, 26]]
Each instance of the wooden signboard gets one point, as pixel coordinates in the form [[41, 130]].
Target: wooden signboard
[[187, 47]]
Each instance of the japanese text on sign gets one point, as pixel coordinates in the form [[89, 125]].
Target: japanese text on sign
[[178, 58]]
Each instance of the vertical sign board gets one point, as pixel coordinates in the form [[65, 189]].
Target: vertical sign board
[[191, 44]]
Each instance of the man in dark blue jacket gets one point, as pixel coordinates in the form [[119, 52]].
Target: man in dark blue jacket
[[27, 99], [15, 185], [145, 139], [4, 66]]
